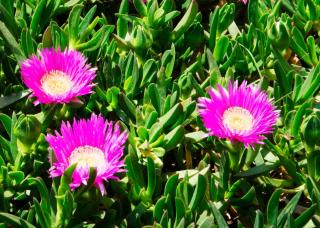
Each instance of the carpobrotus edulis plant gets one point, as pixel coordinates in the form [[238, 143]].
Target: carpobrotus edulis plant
[[240, 113], [89, 143], [57, 76]]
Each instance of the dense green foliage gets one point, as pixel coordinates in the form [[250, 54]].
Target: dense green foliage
[[154, 61]]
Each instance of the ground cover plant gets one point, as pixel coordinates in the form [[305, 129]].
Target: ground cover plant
[[187, 113]]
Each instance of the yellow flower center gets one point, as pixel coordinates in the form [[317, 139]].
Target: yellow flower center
[[238, 119], [88, 156], [56, 83]]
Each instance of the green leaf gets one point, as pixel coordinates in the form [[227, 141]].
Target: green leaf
[[297, 121], [272, 208], [149, 72], [170, 16], [159, 208], [140, 7], [16, 176], [225, 172], [152, 7], [171, 116], [313, 190], [122, 24], [13, 142], [154, 97], [151, 119], [312, 48], [215, 74], [27, 42], [86, 20], [196, 136], [214, 20], [5, 145], [181, 224], [221, 48], [13, 45], [196, 86], [198, 193], [90, 28], [6, 121], [167, 5], [282, 78], [254, 12], [68, 202], [234, 187], [258, 223], [9, 18], [258, 170], [299, 39], [127, 106], [171, 184], [290, 223], [134, 170], [218, 216], [155, 132], [74, 21], [289, 208], [90, 182], [164, 219], [43, 219], [8, 100], [151, 177], [311, 85], [205, 221], [180, 211], [66, 180], [14, 220], [185, 21], [45, 198], [36, 17], [168, 60], [184, 190], [226, 17], [246, 199], [95, 42], [306, 216], [173, 138]]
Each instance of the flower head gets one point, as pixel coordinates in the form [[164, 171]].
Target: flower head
[[241, 113], [89, 143], [57, 76]]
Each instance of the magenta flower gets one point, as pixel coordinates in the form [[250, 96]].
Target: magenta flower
[[57, 77], [240, 114], [94, 143]]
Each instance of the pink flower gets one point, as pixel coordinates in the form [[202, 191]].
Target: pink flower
[[245, 1], [240, 114], [89, 143], [57, 77]]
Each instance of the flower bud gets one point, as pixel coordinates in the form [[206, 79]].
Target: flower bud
[[141, 38], [311, 129], [27, 130], [278, 33]]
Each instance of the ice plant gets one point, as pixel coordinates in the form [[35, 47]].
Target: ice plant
[[240, 113], [89, 143], [57, 76]]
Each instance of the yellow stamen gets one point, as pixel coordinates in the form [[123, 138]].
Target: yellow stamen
[[56, 83], [88, 156], [238, 119]]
